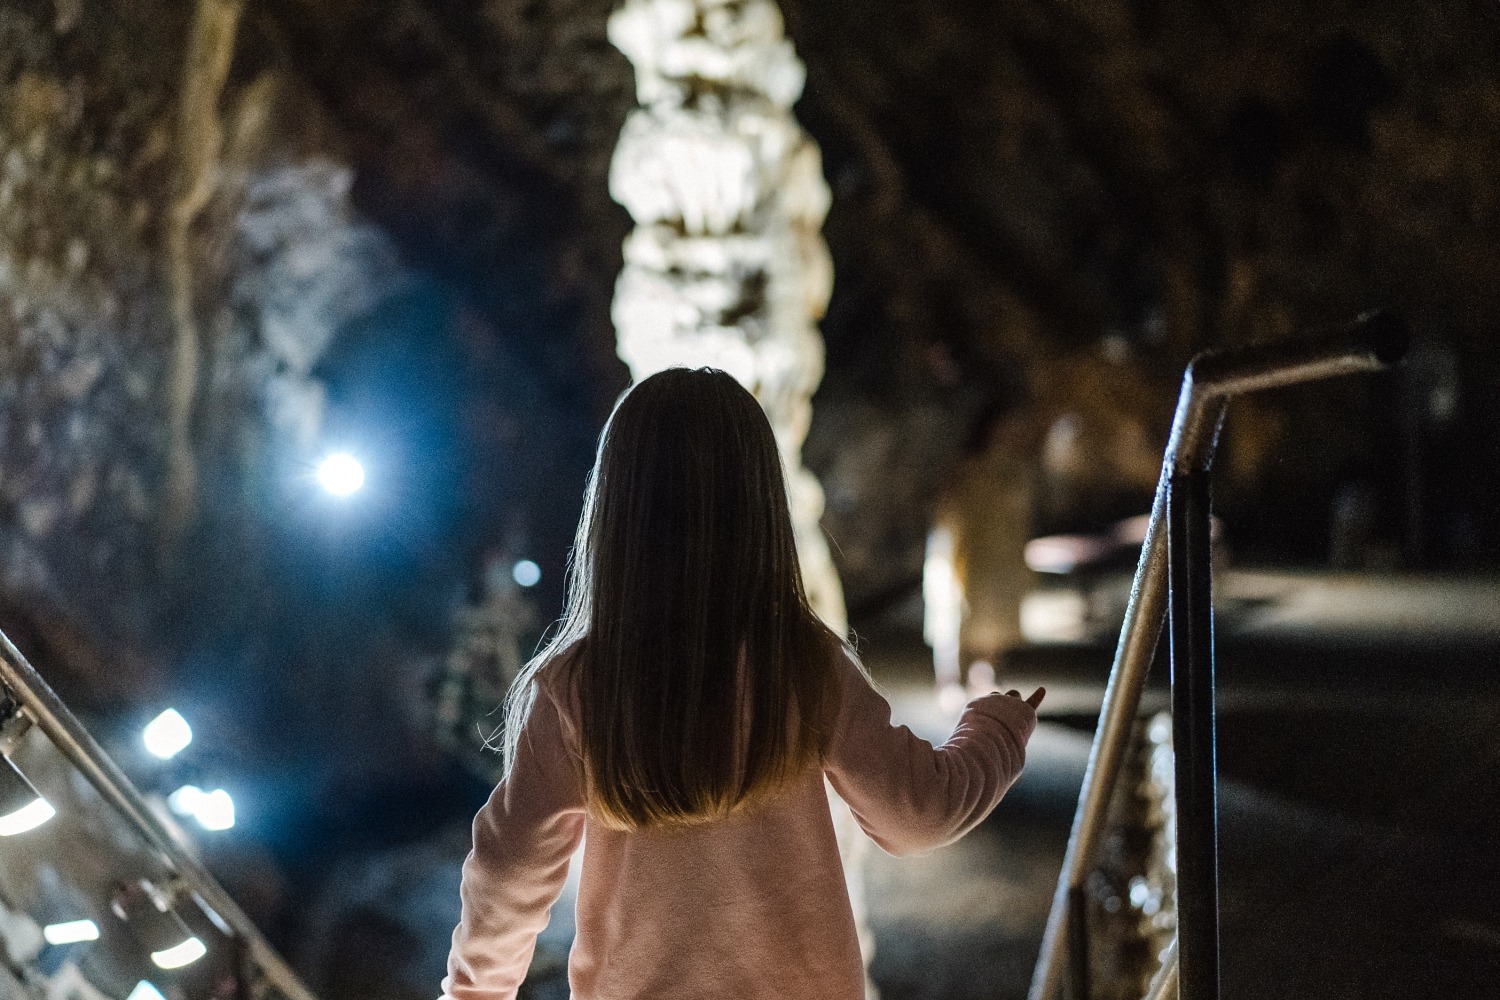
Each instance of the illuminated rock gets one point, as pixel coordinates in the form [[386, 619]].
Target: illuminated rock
[[726, 267]]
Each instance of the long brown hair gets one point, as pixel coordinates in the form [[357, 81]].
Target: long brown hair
[[702, 675]]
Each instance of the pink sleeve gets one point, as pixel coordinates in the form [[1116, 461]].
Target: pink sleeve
[[524, 837], [908, 795]]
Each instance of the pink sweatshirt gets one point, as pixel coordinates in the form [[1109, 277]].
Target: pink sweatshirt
[[753, 906]]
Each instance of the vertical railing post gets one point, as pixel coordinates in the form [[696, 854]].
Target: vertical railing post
[[1191, 618], [1371, 342], [1078, 944]]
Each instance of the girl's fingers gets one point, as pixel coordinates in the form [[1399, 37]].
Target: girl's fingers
[[1036, 697], [1013, 694]]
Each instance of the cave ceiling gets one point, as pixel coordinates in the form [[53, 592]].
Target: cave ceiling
[[1023, 193]]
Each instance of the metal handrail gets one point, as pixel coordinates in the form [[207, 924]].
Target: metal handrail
[[1164, 983], [70, 738], [1371, 342]]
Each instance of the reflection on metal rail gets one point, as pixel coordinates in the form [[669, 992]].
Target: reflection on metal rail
[[1164, 983], [67, 734], [1371, 342]]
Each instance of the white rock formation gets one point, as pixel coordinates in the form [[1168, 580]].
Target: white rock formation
[[726, 266]]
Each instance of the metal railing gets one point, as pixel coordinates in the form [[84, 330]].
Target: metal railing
[[67, 734], [1175, 568]]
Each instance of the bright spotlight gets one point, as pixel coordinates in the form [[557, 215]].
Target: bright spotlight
[[185, 801], [341, 474], [22, 808], [178, 955], [213, 810], [526, 573], [71, 932], [167, 735], [145, 991]]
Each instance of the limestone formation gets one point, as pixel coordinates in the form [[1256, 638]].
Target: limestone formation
[[726, 266]]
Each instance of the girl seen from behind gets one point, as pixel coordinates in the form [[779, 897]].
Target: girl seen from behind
[[683, 719]]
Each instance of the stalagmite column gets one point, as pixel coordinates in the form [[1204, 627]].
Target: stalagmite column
[[726, 266]]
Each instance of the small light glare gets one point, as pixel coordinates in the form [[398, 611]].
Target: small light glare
[[341, 474], [28, 817], [179, 955], [213, 810], [145, 991], [526, 573], [167, 735], [71, 932]]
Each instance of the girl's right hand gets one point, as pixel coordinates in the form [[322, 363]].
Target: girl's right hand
[[1034, 700]]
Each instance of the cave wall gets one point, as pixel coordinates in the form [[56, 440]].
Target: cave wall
[[1040, 213], [86, 326], [1021, 185], [1028, 199], [177, 252], [195, 307]]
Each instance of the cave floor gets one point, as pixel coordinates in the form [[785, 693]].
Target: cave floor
[[1359, 823]]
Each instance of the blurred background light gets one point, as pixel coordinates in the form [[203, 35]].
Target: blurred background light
[[341, 474], [526, 573], [71, 932], [149, 914], [22, 808], [1064, 553], [213, 810], [145, 991], [1054, 615], [184, 801], [167, 735], [178, 955]]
